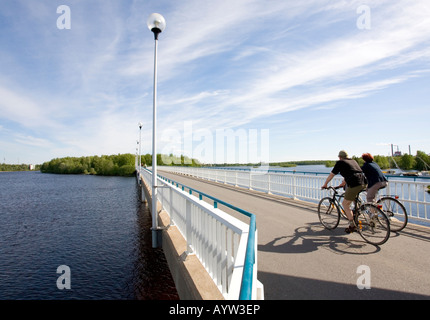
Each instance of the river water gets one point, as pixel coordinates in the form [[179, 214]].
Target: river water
[[96, 226]]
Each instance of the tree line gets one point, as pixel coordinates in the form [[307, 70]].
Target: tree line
[[298, 163], [17, 167], [170, 160], [106, 165], [420, 162], [110, 165]]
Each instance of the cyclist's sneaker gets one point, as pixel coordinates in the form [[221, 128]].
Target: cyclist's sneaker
[[350, 229]]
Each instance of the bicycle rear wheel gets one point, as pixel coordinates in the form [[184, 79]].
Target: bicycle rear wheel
[[372, 224], [395, 212], [328, 213]]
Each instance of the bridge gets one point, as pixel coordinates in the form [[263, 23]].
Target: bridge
[[296, 258]]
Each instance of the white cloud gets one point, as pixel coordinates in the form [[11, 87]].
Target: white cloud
[[33, 141], [21, 109]]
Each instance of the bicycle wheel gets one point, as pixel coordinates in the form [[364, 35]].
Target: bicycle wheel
[[395, 212], [328, 213], [372, 224]]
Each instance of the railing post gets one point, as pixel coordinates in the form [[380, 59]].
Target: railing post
[[171, 211], [388, 192], [189, 231], [294, 187]]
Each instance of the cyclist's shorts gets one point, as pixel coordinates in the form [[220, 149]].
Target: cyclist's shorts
[[351, 193]]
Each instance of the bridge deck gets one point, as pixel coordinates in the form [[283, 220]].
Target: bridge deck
[[299, 259]]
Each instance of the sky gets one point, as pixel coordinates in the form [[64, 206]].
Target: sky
[[238, 80]]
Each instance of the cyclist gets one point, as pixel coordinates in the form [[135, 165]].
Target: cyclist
[[375, 177], [355, 181]]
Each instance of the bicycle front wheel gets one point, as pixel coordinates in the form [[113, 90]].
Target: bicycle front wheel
[[395, 212], [328, 213], [372, 224]]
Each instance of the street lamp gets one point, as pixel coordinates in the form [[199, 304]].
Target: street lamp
[[137, 161], [140, 143], [156, 24]]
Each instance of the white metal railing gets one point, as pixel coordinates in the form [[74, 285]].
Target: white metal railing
[[217, 239], [307, 186], [413, 195]]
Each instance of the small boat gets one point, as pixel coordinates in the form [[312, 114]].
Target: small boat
[[389, 171], [411, 174]]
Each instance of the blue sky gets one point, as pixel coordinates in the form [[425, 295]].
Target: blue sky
[[299, 80]]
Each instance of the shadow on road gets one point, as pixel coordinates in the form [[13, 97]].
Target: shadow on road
[[313, 237]]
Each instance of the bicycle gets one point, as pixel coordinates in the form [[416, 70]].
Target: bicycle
[[371, 222], [395, 211]]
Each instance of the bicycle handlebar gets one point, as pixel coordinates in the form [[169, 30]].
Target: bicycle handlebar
[[331, 187]]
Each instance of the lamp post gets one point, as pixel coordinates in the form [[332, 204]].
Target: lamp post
[[156, 24], [140, 143], [137, 161]]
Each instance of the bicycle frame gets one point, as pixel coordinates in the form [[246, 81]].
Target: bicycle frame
[[336, 198]]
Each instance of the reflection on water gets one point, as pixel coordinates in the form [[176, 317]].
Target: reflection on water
[[151, 277]]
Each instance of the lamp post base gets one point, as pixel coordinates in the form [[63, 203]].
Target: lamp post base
[[157, 237]]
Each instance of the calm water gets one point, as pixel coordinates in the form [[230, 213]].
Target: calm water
[[94, 225]]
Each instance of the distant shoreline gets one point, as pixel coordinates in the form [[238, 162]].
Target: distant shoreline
[[20, 171]]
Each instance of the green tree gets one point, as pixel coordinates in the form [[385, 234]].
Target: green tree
[[105, 166], [422, 161], [147, 160], [124, 159], [382, 161], [126, 170], [407, 162]]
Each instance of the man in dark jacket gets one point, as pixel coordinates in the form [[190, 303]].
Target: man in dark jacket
[[354, 179]]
